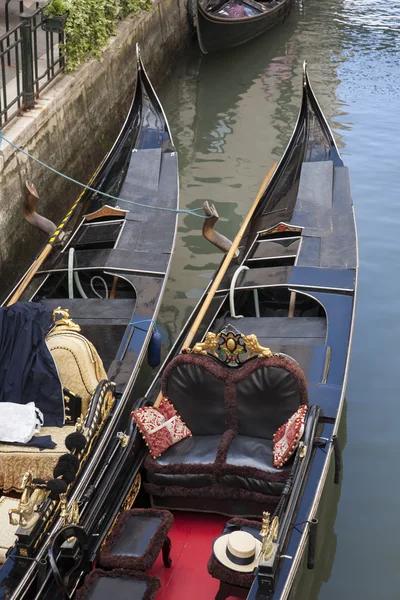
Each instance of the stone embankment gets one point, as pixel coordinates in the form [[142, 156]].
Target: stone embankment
[[74, 124]]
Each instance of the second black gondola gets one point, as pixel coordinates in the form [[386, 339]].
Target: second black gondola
[[230, 23], [77, 328]]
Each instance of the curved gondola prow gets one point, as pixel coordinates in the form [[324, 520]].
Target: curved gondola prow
[[313, 102], [129, 124], [145, 81], [301, 135]]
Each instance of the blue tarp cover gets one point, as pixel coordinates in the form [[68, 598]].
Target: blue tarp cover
[[27, 369]]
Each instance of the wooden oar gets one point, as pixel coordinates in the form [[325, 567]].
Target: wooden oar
[[223, 269]]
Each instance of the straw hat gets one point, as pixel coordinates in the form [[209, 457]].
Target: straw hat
[[238, 551]]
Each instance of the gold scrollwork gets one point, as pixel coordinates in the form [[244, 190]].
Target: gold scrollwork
[[70, 516], [127, 503], [231, 346], [269, 534], [107, 404]]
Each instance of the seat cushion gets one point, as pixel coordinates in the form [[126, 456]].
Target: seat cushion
[[136, 539], [249, 465], [118, 585], [189, 463], [79, 366], [16, 460]]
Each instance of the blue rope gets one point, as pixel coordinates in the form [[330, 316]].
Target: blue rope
[[144, 321], [87, 187]]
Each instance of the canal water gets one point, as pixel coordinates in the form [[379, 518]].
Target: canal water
[[231, 116]]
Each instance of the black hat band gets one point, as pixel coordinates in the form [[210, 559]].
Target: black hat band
[[240, 561]]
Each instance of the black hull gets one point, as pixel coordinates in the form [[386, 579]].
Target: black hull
[[325, 272], [216, 33], [141, 168]]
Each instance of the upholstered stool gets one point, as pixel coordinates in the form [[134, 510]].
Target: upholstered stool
[[233, 583], [136, 540], [118, 584]]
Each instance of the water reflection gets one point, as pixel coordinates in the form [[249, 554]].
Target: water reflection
[[232, 114]]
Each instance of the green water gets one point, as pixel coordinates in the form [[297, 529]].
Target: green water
[[231, 116]]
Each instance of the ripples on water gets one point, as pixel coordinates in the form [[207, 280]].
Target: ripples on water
[[231, 115]]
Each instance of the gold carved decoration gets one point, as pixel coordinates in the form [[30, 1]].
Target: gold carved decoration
[[127, 503], [33, 496], [106, 211], [69, 516], [231, 347], [62, 320], [269, 534], [302, 450], [107, 404], [254, 347], [209, 345], [133, 492], [123, 438]]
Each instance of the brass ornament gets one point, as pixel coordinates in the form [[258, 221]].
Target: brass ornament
[[269, 534], [302, 449], [123, 438], [26, 515], [62, 321], [253, 347], [231, 347], [70, 516], [209, 345]]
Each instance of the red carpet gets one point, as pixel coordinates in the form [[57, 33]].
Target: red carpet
[[192, 536]]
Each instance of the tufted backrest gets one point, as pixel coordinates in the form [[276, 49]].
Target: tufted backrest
[[253, 400], [191, 384], [267, 394]]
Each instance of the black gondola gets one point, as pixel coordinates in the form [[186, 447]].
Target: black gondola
[[97, 295], [294, 284], [233, 22]]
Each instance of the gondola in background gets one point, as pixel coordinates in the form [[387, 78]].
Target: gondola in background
[[227, 23], [94, 291], [266, 350]]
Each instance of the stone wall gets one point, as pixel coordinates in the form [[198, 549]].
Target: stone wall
[[74, 124]]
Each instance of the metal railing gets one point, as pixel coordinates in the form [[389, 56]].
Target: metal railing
[[29, 59]]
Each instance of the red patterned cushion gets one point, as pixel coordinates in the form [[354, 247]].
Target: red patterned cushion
[[160, 428], [287, 437]]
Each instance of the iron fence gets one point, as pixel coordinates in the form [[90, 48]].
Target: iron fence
[[30, 58]]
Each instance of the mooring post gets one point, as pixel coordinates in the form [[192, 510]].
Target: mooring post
[[28, 94]]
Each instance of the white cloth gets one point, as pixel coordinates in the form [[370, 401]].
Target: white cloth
[[19, 422]]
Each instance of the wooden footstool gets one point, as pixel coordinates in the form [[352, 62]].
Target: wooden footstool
[[118, 584], [136, 540]]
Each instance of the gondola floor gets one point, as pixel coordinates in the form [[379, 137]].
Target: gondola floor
[[192, 536]]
